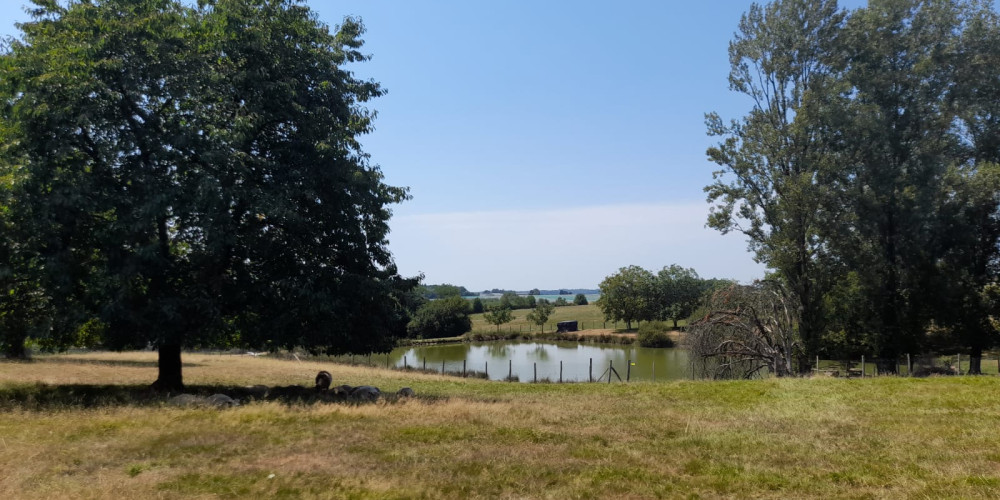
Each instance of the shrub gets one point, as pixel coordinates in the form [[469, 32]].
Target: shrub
[[654, 334], [580, 299], [441, 318]]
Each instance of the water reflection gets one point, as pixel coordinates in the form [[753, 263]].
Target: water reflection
[[580, 362]]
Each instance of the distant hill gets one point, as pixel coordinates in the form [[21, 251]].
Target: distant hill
[[566, 291]]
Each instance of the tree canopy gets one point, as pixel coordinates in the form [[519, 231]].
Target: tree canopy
[[863, 172], [192, 175]]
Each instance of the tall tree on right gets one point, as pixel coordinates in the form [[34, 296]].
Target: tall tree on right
[[898, 59], [775, 160]]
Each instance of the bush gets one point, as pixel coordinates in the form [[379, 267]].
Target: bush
[[580, 299], [654, 334], [441, 318]]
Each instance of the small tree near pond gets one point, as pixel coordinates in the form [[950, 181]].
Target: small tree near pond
[[540, 314], [498, 315]]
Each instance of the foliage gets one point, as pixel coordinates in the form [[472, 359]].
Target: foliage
[[448, 317], [477, 306], [627, 295], [678, 292], [560, 302], [654, 334], [869, 149], [749, 330], [193, 182], [534, 291], [580, 299], [498, 315], [443, 291], [775, 173], [540, 314]]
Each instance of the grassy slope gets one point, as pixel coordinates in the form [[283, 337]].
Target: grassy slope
[[820, 438]]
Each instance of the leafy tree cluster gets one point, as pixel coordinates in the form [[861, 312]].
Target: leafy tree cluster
[[444, 290], [448, 317], [866, 173], [179, 174], [634, 294]]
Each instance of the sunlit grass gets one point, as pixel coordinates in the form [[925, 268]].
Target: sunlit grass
[[465, 438]]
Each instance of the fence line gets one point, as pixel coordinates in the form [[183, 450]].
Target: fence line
[[863, 367]]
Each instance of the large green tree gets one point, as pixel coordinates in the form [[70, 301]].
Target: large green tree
[[205, 159], [678, 292], [898, 57], [628, 295], [775, 161], [447, 317]]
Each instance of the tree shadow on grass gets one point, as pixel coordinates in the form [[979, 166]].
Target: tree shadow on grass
[[41, 397], [104, 362]]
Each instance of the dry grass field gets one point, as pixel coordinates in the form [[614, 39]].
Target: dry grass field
[[468, 438]]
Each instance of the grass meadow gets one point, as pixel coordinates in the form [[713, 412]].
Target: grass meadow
[[467, 438]]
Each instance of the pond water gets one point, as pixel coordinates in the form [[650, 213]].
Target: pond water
[[523, 358]]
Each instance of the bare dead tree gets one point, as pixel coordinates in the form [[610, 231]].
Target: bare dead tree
[[749, 330]]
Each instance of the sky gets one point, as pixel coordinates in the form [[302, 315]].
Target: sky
[[546, 144]]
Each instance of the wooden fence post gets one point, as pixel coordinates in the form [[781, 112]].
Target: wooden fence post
[[611, 364], [560, 371], [463, 367], [510, 370], [628, 370], [862, 366], [534, 366], [591, 375]]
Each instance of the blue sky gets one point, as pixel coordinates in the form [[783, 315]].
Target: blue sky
[[546, 144]]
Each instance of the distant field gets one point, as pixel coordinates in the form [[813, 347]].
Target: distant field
[[588, 316], [466, 438]]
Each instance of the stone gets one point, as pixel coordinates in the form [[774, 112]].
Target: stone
[[221, 401], [365, 393], [323, 380]]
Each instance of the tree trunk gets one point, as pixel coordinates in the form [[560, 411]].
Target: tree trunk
[[675, 323], [975, 361], [14, 349], [170, 369]]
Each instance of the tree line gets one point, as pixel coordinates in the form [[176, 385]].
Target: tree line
[[865, 174], [634, 294]]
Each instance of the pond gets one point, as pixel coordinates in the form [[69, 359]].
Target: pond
[[523, 359]]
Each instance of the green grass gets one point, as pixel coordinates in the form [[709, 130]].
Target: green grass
[[881, 437]]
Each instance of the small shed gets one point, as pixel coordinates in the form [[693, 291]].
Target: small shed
[[566, 326]]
